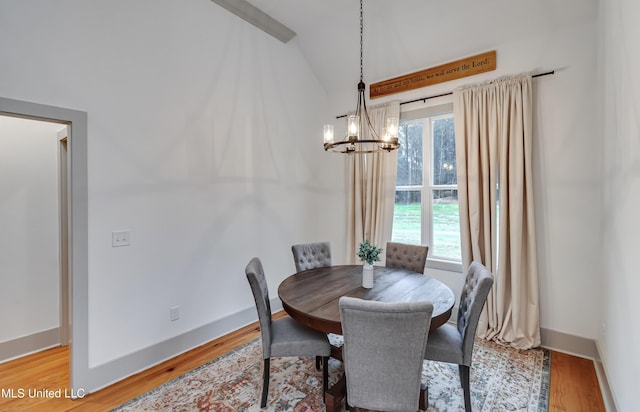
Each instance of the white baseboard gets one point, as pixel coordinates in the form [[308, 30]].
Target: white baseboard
[[566, 343], [607, 393], [121, 368], [27, 345]]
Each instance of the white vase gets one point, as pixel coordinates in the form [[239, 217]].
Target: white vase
[[367, 276]]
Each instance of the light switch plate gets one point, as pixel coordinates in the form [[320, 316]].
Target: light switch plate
[[174, 313], [120, 238]]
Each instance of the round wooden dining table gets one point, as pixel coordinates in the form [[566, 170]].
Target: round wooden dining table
[[311, 296]]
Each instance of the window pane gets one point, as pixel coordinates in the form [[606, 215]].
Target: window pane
[[410, 154], [446, 225], [407, 217], [444, 152]]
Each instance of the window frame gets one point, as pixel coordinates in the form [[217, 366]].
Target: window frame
[[427, 114]]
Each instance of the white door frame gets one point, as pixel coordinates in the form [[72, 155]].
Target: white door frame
[[64, 170], [80, 375]]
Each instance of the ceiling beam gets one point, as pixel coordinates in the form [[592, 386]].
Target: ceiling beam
[[258, 18]]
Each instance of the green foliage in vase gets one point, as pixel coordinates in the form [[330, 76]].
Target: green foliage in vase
[[369, 253]]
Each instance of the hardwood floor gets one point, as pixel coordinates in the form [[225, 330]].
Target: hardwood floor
[[50, 369], [574, 386]]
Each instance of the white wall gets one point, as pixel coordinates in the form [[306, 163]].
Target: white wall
[[567, 168], [204, 140], [29, 254], [619, 335], [568, 182]]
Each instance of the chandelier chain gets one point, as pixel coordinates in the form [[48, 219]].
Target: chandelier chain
[[361, 35]]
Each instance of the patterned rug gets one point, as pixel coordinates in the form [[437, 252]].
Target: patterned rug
[[502, 379]]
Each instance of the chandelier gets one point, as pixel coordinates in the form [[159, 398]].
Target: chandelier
[[361, 136]]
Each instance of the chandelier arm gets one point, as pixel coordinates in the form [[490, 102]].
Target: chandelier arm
[[372, 130]]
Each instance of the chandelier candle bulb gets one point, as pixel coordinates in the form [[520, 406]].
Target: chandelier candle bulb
[[353, 129], [328, 133], [392, 127]]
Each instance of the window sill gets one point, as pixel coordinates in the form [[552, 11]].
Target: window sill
[[444, 265]]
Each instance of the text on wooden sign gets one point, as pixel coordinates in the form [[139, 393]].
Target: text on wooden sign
[[480, 63]]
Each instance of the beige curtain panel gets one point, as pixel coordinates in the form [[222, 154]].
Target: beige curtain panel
[[371, 189], [493, 127]]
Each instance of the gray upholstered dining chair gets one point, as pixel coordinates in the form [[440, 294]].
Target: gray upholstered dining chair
[[404, 256], [454, 344], [284, 336], [311, 255], [383, 351]]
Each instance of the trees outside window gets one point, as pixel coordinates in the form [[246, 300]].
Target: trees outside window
[[426, 201]]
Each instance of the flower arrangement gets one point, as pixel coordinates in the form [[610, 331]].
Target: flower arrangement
[[369, 253]]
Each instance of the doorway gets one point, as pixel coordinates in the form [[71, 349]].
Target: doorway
[[72, 151], [34, 248]]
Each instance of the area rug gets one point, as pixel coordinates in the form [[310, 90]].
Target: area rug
[[502, 379]]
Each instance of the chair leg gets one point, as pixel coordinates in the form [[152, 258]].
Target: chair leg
[[265, 383], [466, 388], [423, 403], [318, 362], [325, 374]]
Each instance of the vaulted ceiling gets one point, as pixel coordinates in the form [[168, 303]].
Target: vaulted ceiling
[[402, 36]]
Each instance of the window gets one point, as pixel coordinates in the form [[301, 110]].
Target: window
[[426, 201]]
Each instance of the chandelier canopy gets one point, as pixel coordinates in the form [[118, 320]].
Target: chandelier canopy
[[361, 136]]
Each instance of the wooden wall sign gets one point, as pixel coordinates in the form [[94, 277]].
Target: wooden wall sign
[[480, 63]]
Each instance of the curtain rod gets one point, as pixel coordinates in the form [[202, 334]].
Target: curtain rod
[[450, 93], [424, 99]]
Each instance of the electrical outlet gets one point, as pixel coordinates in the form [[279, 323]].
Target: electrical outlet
[[174, 313], [120, 238]]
